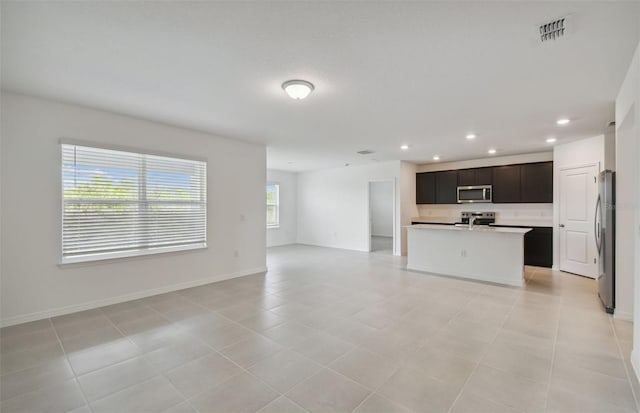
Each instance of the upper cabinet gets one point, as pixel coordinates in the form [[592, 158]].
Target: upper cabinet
[[437, 187], [506, 184], [447, 187], [475, 176], [537, 182], [426, 188], [530, 183]]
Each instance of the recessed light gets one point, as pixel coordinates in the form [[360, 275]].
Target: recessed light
[[471, 136], [298, 89], [436, 157], [404, 147], [563, 121], [491, 151], [551, 140]]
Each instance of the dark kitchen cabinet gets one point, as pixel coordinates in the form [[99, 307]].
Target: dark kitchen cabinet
[[447, 187], [475, 176], [506, 184], [523, 183], [538, 247], [426, 188], [537, 182]]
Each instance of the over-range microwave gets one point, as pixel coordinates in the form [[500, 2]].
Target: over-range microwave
[[474, 194]]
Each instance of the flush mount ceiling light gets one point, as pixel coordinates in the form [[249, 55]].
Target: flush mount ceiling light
[[471, 136], [436, 157], [404, 147], [297, 89], [551, 140], [563, 121], [491, 151]]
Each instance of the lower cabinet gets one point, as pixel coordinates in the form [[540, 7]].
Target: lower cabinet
[[538, 247]]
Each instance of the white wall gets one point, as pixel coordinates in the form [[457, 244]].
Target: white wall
[[286, 233], [488, 161], [573, 154], [628, 195], [381, 203], [333, 205], [34, 286], [408, 207]]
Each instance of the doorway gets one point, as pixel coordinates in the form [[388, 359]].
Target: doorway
[[578, 194], [381, 216]]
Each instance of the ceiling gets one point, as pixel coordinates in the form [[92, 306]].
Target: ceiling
[[385, 73]]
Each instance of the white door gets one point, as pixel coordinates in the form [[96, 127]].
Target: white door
[[578, 195]]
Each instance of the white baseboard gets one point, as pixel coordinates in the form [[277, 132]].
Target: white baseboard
[[25, 318], [622, 315], [635, 363]]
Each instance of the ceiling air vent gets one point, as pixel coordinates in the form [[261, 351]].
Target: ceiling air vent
[[553, 30], [365, 152]]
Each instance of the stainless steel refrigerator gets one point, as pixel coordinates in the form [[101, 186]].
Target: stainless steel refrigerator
[[604, 227]]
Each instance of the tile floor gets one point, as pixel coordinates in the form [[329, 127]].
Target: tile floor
[[382, 245], [329, 331]]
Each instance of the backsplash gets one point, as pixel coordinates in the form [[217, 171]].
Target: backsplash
[[503, 211]]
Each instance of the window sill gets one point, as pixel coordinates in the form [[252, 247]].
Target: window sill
[[95, 258], [273, 226]]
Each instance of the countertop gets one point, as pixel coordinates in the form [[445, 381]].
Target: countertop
[[515, 222], [506, 230]]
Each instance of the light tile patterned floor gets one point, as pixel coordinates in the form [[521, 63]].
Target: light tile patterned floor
[[330, 331]]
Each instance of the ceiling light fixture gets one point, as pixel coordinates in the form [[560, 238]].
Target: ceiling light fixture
[[491, 151], [404, 147], [436, 157], [298, 89], [551, 140], [563, 121], [471, 136]]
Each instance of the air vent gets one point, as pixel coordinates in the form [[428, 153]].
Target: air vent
[[553, 30], [365, 152]]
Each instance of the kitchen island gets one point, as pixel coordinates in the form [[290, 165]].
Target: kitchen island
[[493, 254]]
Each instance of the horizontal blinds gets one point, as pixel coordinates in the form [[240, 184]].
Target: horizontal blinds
[[117, 201]]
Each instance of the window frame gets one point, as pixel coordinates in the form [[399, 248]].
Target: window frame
[[133, 253], [277, 204]]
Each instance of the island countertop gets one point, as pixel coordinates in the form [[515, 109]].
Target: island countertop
[[476, 228]]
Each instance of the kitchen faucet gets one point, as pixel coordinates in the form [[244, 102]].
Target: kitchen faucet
[[472, 220]]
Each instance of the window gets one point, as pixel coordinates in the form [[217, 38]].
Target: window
[[273, 205], [122, 204]]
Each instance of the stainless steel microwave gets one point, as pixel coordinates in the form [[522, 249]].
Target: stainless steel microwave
[[474, 194]]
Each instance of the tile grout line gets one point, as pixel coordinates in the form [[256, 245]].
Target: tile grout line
[[464, 385], [553, 353], [245, 370], [624, 364], [75, 376], [323, 366]]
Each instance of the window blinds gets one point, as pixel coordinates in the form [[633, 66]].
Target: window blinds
[[119, 202]]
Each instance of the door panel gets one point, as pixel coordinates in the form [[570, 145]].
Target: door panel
[[578, 192], [577, 247]]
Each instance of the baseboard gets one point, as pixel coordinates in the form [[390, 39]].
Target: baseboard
[[635, 363], [122, 298], [622, 315]]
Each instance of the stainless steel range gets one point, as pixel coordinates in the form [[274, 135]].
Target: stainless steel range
[[478, 218]]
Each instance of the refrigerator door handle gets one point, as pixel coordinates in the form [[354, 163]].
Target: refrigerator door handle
[[596, 224]]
